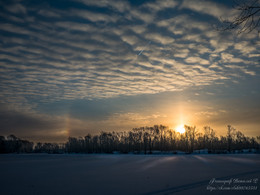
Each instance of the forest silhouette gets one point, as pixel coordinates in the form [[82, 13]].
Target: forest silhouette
[[158, 139]]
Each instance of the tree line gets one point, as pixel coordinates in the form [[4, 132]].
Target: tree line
[[142, 140]]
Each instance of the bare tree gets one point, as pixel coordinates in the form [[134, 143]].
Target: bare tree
[[190, 135], [247, 19], [230, 137]]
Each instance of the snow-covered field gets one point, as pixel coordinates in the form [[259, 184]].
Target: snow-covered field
[[129, 174]]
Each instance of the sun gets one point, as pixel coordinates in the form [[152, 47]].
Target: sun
[[180, 128]]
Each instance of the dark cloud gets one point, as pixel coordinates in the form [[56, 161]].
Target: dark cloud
[[24, 123]]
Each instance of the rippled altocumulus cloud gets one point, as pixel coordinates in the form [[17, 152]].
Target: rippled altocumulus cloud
[[99, 49]]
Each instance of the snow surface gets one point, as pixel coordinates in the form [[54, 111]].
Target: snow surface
[[124, 174]]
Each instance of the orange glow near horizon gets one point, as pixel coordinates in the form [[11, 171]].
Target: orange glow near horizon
[[180, 128], [181, 118]]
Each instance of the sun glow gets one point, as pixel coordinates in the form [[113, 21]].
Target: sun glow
[[180, 128]]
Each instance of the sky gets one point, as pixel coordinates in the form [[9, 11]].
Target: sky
[[69, 68]]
